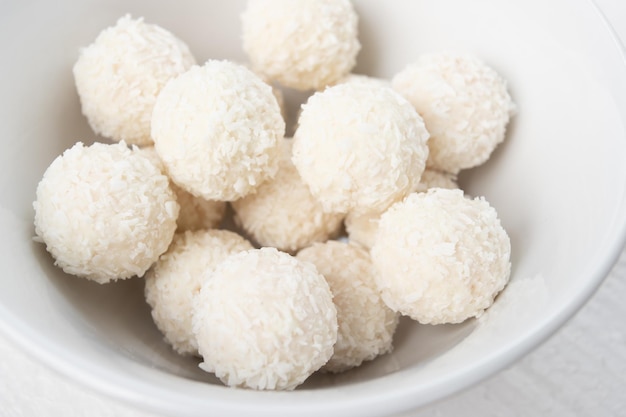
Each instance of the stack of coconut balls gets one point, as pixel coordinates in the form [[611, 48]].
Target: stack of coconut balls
[[283, 293]]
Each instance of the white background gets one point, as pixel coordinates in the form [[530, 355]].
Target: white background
[[580, 371]]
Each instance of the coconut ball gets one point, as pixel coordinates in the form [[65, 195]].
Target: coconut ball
[[217, 129], [441, 257], [195, 213], [177, 276], [264, 320], [366, 324], [465, 105], [119, 76], [359, 147], [303, 44], [283, 213], [104, 212], [362, 227]]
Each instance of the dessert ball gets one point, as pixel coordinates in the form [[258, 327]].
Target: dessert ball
[[196, 213], [465, 105], [119, 76], [173, 282], [303, 44], [104, 212], [217, 129], [441, 257], [359, 147], [366, 324], [282, 212], [264, 320], [362, 227]]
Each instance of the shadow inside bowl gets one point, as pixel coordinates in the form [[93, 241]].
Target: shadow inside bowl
[[117, 317]]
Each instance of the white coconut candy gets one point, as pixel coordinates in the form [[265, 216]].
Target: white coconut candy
[[217, 129], [282, 212], [359, 147], [265, 320], [366, 324], [173, 282], [119, 76], [441, 257], [104, 212], [303, 44], [465, 105]]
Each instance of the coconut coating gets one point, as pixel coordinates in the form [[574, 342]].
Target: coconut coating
[[177, 276], [278, 93], [196, 213], [104, 212], [441, 257], [362, 227], [119, 76], [366, 79], [366, 324], [217, 129], [359, 147], [303, 44], [265, 320], [283, 213], [465, 105]]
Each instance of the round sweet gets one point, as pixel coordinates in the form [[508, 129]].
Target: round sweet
[[217, 129], [465, 105], [362, 227], [283, 213], [177, 276], [196, 213], [359, 147], [366, 324], [264, 320], [305, 44], [119, 76], [104, 212], [441, 257]]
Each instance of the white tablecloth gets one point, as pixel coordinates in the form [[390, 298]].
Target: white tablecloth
[[580, 371]]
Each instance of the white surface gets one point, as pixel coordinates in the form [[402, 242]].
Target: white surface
[[580, 371]]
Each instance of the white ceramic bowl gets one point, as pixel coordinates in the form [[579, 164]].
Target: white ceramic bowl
[[559, 184]]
